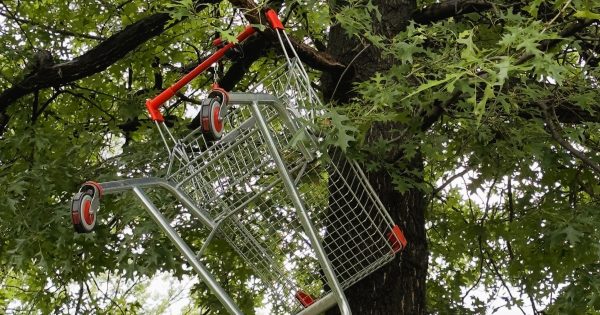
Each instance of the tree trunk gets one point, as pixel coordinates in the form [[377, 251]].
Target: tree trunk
[[399, 287]]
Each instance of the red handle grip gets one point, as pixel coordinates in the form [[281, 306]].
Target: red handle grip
[[273, 19], [154, 104]]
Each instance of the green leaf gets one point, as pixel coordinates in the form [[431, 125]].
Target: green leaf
[[479, 109], [585, 14], [451, 77], [571, 234], [343, 131]]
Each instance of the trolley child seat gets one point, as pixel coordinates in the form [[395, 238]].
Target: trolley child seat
[[303, 217]]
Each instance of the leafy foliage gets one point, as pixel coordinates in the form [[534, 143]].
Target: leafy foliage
[[511, 211], [520, 217]]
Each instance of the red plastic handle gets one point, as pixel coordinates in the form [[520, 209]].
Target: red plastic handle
[[154, 104], [273, 19]]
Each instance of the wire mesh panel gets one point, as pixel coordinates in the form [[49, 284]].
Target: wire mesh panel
[[258, 175], [236, 180]]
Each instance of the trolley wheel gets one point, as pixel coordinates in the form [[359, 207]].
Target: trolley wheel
[[84, 207], [211, 121]]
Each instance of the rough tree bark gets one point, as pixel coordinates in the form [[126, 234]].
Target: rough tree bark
[[399, 287]]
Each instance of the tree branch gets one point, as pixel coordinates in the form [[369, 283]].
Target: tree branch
[[312, 57], [446, 9], [550, 119], [93, 61], [120, 44], [450, 180], [492, 263], [439, 108], [565, 111], [50, 29]]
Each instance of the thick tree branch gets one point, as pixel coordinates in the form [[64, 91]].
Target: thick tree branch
[[120, 44], [446, 9], [93, 61]]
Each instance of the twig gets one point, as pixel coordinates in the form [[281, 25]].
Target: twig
[[497, 272], [511, 214], [450, 180], [14, 18], [78, 95], [348, 67], [487, 200], [561, 11], [550, 121], [50, 29], [481, 260], [79, 300], [112, 301]]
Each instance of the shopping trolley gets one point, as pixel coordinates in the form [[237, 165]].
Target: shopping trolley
[[256, 174]]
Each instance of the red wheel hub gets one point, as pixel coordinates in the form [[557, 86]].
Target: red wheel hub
[[217, 122], [88, 215]]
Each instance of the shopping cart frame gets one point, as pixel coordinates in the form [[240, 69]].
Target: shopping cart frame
[[86, 202], [336, 296]]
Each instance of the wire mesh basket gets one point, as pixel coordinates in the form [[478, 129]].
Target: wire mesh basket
[[237, 181], [257, 174]]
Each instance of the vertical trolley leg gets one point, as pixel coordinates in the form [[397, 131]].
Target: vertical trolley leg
[[324, 262], [85, 203], [188, 253]]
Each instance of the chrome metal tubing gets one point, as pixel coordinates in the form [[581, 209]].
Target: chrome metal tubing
[[189, 255], [249, 98], [308, 227], [320, 306], [127, 184]]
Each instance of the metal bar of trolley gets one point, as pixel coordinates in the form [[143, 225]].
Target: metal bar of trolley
[[304, 218], [204, 274]]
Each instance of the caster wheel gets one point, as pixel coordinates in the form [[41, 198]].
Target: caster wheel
[[84, 207], [211, 119]]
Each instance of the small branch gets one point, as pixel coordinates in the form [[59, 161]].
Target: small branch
[[92, 299], [51, 29], [185, 98], [14, 17], [481, 260], [440, 107], [550, 119], [545, 45], [94, 104], [560, 12], [511, 215], [533, 307], [487, 200], [46, 104], [497, 272], [79, 300], [511, 203], [449, 180], [34, 107], [106, 296]]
